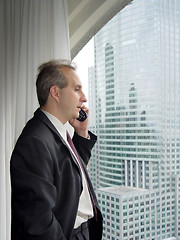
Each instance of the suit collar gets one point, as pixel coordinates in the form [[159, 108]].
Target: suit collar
[[60, 127], [42, 116]]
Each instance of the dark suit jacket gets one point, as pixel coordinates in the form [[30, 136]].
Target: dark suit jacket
[[46, 183]]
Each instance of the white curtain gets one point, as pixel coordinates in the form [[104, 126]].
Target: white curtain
[[31, 32]]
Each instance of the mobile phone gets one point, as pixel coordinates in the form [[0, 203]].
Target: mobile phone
[[82, 115]]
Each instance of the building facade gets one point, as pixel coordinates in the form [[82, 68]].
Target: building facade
[[136, 114]]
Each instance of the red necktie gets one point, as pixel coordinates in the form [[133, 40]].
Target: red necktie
[[79, 161]]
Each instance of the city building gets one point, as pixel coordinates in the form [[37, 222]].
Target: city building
[[134, 91]]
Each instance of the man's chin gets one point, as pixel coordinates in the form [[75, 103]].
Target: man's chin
[[74, 117]]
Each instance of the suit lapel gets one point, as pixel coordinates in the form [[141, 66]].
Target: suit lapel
[[40, 115]]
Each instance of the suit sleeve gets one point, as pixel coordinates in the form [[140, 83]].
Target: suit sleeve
[[33, 192], [84, 146]]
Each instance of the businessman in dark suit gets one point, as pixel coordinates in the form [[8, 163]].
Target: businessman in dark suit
[[52, 196]]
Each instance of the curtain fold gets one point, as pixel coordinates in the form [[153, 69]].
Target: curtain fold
[[31, 32]]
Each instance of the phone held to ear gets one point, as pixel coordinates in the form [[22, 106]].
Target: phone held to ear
[[82, 116]]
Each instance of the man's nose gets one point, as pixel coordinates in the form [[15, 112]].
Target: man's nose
[[83, 97]]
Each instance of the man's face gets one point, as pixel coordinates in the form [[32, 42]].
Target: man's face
[[72, 96]]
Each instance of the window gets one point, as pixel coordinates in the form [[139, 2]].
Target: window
[[135, 113]]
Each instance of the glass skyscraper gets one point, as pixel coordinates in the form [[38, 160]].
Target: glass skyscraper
[[134, 91]]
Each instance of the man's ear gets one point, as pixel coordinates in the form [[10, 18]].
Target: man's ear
[[55, 93]]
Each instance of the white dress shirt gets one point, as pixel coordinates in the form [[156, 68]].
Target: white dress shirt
[[85, 208]]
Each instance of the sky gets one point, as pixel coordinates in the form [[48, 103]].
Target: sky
[[85, 59]]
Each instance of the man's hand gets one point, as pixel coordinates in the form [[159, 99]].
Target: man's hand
[[81, 128]]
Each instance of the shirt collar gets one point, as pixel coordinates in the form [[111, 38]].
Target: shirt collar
[[61, 128]]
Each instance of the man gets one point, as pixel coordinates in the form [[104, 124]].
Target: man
[[52, 196]]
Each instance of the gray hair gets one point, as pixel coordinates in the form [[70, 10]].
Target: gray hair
[[50, 74]]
